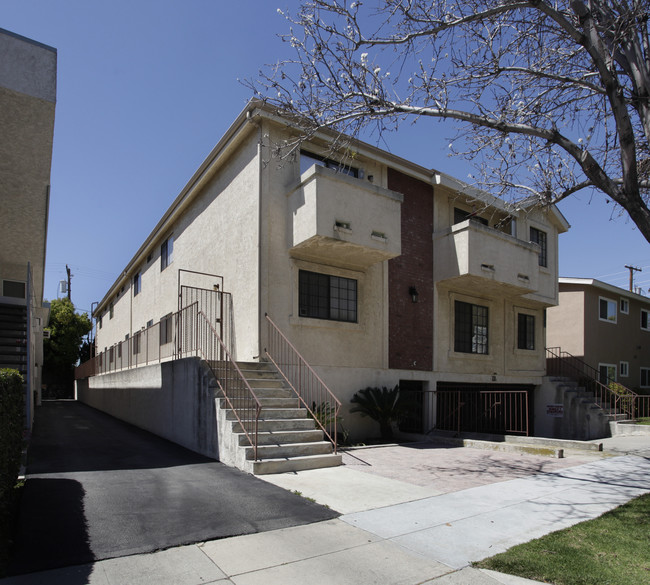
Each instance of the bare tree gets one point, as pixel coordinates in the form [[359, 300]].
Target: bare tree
[[553, 96]]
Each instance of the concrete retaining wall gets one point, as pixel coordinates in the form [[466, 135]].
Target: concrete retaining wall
[[564, 411], [174, 400], [627, 428]]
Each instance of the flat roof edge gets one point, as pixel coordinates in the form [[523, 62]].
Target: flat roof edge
[[27, 40]]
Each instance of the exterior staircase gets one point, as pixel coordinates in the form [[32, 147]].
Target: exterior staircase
[[288, 438], [584, 418], [13, 337]]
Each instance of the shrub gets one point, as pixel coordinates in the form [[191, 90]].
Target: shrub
[[624, 395], [12, 412]]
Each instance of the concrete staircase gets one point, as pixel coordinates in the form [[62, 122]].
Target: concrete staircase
[[584, 419], [288, 439], [13, 337]]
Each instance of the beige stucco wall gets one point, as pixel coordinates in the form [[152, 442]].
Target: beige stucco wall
[[27, 103], [218, 234], [565, 323], [503, 363], [322, 342]]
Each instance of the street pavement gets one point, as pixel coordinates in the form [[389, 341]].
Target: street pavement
[[410, 514]]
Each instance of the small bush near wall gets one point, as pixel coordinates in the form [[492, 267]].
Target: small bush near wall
[[12, 412]]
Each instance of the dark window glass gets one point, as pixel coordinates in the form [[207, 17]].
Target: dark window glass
[[539, 237], [470, 328], [323, 296], [461, 215], [166, 329], [526, 331], [166, 252], [645, 377], [136, 284], [307, 160], [12, 288]]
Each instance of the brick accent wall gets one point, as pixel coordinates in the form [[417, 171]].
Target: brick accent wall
[[410, 343]]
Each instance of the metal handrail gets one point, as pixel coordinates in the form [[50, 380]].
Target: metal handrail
[[321, 403], [236, 390], [626, 403], [483, 411]]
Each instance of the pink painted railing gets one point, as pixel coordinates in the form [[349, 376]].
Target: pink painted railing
[[313, 393], [234, 387]]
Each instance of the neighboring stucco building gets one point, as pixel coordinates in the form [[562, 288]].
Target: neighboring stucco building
[[27, 104], [605, 326], [378, 270]]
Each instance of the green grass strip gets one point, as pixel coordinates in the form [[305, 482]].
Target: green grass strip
[[613, 549]]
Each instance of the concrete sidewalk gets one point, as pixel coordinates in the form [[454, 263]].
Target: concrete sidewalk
[[393, 531]]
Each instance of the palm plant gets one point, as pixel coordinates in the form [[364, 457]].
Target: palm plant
[[381, 405]]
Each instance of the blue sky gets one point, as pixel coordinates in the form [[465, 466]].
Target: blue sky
[[147, 87]]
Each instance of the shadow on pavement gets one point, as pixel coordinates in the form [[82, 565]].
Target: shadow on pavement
[[70, 436], [60, 541]]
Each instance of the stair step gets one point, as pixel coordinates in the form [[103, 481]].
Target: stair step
[[257, 366], [13, 359], [274, 413], [287, 450], [274, 392], [281, 465], [262, 382], [274, 403], [277, 438], [12, 349], [277, 425], [13, 333]]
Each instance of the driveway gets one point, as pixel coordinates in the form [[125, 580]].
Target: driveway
[[98, 488]]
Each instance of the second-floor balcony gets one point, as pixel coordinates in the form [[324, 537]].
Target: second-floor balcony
[[343, 220], [485, 258]]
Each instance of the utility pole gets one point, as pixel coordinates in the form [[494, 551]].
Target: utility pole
[[632, 270], [67, 269]]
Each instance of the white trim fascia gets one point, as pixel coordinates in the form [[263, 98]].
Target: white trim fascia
[[615, 290]]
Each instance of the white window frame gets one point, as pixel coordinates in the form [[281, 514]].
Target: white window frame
[[624, 306], [647, 377], [624, 369], [612, 302], [647, 320]]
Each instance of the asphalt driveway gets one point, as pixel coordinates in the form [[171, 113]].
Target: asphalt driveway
[[98, 488]]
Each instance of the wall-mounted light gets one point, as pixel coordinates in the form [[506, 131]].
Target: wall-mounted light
[[414, 294]]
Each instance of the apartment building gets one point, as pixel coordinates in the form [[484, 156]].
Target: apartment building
[[379, 271], [605, 326], [27, 104]]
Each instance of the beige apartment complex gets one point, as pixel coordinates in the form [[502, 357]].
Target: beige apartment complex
[[27, 104], [605, 326], [379, 271]]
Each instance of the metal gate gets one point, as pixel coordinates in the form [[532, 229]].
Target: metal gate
[[213, 305]]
